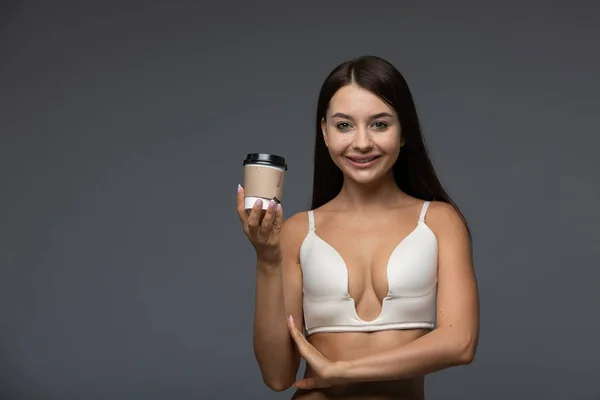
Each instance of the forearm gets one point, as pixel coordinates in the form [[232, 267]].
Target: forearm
[[273, 347], [439, 349]]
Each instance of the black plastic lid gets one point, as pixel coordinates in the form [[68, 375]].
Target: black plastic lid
[[265, 159]]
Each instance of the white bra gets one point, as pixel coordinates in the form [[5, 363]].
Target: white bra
[[411, 276]]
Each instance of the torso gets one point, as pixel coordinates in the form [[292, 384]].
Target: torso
[[352, 345], [365, 244]]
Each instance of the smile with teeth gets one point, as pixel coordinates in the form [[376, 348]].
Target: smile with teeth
[[362, 160]]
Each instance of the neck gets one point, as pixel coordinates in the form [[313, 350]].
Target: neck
[[380, 194]]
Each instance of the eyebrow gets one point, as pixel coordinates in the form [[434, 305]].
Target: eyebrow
[[380, 115]]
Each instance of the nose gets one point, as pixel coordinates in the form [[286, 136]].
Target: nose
[[362, 140]]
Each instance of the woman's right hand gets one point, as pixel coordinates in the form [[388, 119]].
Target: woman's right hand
[[262, 228]]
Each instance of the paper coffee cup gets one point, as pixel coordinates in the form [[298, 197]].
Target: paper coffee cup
[[263, 179]]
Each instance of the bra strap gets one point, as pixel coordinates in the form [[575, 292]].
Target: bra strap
[[311, 221], [424, 211]]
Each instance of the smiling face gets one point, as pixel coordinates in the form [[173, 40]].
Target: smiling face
[[362, 133]]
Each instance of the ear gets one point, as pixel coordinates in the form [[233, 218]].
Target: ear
[[324, 130]]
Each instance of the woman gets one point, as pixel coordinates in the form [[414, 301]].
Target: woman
[[379, 272]]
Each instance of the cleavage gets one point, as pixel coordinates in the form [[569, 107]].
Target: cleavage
[[365, 262]]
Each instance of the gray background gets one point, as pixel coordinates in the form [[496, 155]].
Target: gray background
[[124, 272]]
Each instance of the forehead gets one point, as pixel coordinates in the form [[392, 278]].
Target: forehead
[[354, 100]]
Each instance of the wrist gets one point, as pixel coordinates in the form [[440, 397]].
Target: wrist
[[338, 373], [269, 263]]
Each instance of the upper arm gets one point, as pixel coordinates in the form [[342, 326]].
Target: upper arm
[[293, 232], [458, 298]]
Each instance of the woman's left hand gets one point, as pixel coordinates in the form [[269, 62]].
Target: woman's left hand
[[326, 372]]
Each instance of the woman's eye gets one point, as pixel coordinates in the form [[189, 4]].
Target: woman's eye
[[380, 125], [343, 126]]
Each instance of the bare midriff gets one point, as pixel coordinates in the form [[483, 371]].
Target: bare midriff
[[353, 345]]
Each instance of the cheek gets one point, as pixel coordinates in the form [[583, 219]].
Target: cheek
[[391, 144], [337, 145]]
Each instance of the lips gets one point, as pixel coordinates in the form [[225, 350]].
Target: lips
[[362, 162], [363, 159]]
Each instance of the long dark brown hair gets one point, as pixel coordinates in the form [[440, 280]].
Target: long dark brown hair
[[413, 171]]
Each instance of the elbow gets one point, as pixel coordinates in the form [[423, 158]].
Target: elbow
[[465, 351], [466, 357], [277, 385]]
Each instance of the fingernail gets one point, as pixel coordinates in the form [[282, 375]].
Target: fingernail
[[258, 202], [278, 207], [271, 204], [291, 318], [239, 188]]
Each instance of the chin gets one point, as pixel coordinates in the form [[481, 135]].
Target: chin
[[364, 179]]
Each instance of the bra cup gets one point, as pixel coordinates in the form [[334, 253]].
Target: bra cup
[[323, 272], [412, 268]]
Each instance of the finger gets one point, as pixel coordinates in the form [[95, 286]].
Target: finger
[[292, 329], [267, 222], [254, 217], [278, 220], [304, 347], [306, 383], [292, 325], [241, 210]]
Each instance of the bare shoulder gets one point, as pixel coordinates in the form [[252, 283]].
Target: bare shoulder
[[293, 232], [444, 219], [296, 225]]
